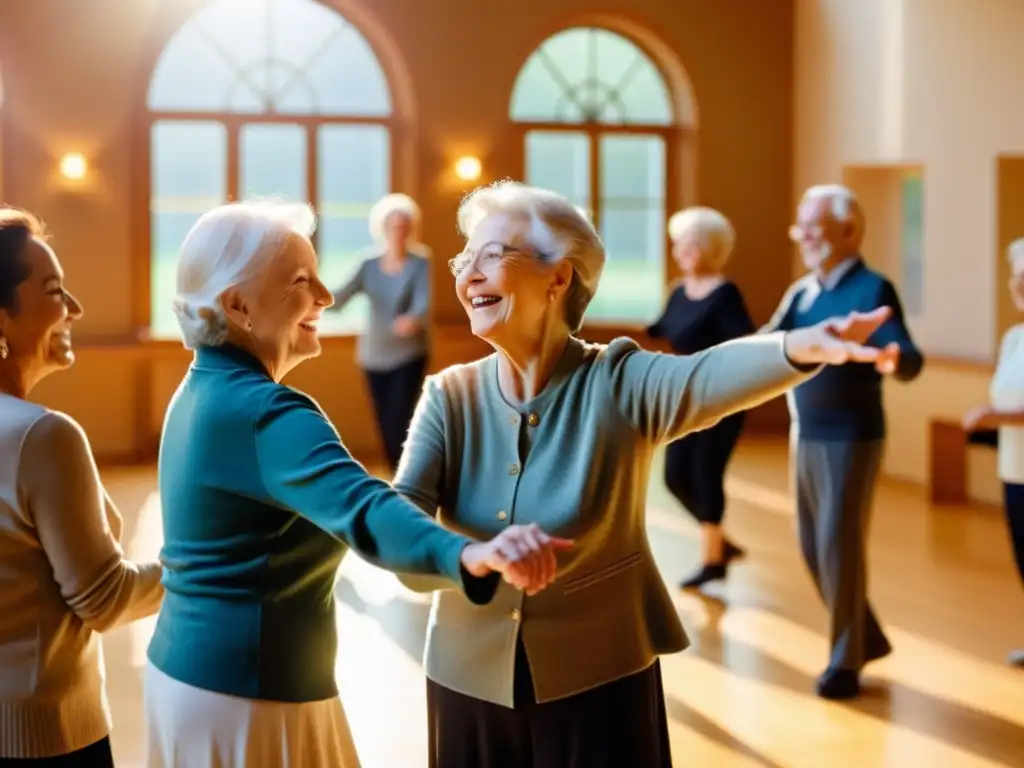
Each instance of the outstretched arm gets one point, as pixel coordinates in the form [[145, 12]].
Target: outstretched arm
[[344, 294], [668, 396], [306, 468]]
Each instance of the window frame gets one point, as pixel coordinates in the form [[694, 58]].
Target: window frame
[[678, 138], [233, 122]]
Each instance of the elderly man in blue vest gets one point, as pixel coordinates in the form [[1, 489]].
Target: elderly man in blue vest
[[839, 426]]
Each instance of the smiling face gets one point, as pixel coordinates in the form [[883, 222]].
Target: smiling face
[[823, 238], [687, 253], [38, 327], [506, 289], [281, 306]]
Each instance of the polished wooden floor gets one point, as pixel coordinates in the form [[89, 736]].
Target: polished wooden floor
[[742, 696]]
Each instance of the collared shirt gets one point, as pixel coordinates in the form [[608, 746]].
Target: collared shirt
[[831, 280], [814, 284]]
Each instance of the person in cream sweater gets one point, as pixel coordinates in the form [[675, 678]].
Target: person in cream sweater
[[63, 574]]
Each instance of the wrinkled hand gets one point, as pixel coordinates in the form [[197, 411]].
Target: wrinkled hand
[[405, 325], [841, 340], [523, 554], [977, 419]]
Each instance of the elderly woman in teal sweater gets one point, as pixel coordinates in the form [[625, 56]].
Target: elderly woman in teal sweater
[[260, 502], [553, 431]]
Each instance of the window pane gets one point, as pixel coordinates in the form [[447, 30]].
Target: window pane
[[273, 161], [354, 172], [189, 176], [632, 168], [632, 286], [590, 73], [249, 56], [632, 224], [560, 161], [645, 98]]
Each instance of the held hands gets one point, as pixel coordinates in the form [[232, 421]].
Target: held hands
[[523, 554], [842, 340]]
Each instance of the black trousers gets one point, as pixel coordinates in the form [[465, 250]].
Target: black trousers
[[395, 394], [619, 724], [98, 755], [695, 468], [1013, 503]]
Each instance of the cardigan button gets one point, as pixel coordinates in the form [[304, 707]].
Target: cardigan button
[[533, 420], [514, 419], [502, 514], [515, 614], [514, 469]]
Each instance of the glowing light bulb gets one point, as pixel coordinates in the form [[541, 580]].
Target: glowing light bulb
[[73, 166], [468, 168]]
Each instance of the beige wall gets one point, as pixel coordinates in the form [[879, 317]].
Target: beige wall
[[935, 83], [75, 74]]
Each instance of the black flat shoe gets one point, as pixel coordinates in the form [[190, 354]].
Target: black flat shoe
[[707, 572], [839, 684], [733, 552]]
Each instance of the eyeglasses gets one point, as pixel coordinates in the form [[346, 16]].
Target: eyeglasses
[[487, 259], [798, 234]]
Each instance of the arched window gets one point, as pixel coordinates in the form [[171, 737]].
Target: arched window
[[266, 98], [600, 128]]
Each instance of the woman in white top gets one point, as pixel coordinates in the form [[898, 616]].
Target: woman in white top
[[63, 575], [1006, 413]]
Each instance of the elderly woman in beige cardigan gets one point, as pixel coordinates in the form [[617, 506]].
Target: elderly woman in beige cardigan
[[552, 430], [63, 574]]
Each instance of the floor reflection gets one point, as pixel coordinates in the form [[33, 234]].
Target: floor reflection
[[742, 695]]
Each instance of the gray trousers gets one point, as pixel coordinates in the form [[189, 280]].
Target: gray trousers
[[835, 484]]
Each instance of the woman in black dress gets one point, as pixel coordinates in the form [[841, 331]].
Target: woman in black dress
[[705, 309]]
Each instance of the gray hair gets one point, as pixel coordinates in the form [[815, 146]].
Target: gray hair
[[225, 248], [845, 205], [712, 231], [389, 205], [558, 230]]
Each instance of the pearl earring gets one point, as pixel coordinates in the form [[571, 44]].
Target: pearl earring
[[4, 351]]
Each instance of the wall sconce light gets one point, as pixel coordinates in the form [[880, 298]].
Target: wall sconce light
[[467, 168], [73, 166]]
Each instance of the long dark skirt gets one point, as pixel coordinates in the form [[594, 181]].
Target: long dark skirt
[[98, 755], [619, 724], [695, 468]]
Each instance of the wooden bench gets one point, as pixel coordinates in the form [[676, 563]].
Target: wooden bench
[[947, 459]]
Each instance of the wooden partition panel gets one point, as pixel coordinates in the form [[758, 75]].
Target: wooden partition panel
[[1009, 227]]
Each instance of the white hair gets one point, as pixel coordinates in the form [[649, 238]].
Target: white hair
[[558, 230], [389, 205], [845, 205], [1015, 250], [224, 248], [712, 231]]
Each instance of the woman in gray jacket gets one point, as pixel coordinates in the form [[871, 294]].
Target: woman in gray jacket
[[552, 430]]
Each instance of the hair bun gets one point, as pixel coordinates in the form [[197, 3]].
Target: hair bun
[[201, 326]]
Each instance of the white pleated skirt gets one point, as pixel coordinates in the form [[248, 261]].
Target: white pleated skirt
[[190, 727]]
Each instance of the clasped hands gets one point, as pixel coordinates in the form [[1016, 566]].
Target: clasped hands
[[523, 554], [841, 340]]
